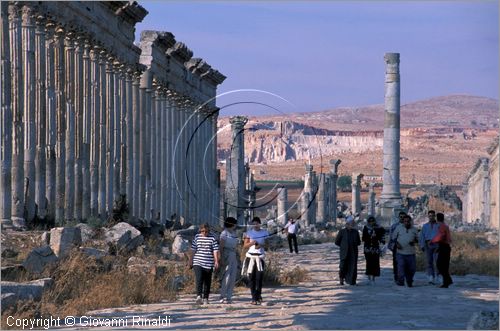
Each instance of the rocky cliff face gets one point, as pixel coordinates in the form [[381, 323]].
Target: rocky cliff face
[[270, 142]]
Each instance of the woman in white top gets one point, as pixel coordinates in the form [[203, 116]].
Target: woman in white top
[[228, 243], [256, 240]]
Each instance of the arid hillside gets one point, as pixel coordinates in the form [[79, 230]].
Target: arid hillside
[[440, 139]]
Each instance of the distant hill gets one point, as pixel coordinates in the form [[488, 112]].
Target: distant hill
[[464, 111]]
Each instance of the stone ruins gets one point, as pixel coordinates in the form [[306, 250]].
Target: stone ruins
[[89, 118], [480, 191]]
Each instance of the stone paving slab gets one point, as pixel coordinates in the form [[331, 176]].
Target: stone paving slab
[[321, 303]]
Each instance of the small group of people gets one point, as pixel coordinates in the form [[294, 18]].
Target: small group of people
[[207, 254], [434, 240], [348, 240]]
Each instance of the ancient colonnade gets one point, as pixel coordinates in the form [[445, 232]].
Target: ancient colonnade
[[89, 119]]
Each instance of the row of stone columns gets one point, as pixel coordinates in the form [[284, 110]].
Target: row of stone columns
[[83, 130]]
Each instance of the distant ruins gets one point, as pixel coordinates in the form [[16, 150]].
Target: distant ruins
[[480, 191], [89, 118]]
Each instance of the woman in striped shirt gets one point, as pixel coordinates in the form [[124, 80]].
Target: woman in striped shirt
[[203, 259]]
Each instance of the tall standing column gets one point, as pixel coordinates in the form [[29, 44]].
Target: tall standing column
[[51, 124], [40, 107], [17, 100], [87, 123], [123, 131], [6, 123], [158, 152], [61, 124], [333, 188], [142, 145], [136, 101], [153, 156], [321, 200], [95, 141], [164, 131], [282, 205], [356, 193], [117, 126], [130, 140], [215, 173], [391, 196], [167, 178], [305, 202], [78, 128], [235, 177], [69, 204], [102, 202], [29, 86], [110, 132]]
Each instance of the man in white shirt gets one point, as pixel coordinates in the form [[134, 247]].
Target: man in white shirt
[[292, 227]]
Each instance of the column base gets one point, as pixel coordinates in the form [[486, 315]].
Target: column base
[[18, 223], [388, 211]]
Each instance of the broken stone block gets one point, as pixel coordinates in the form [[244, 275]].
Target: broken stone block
[[124, 236], [13, 292], [180, 245], [39, 258], [86, 231], [62, 240]]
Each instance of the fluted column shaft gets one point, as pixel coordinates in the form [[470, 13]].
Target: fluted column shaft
[[142, 149], [102, 202], [164, 131], [78, 136], [130, 140], [110, 128], [51, 124], [117, 128], [158, 143], [40, 118], [70, 126], [28, 31], [95, 142], [123, 131], [282, 206], [136, 101], [170, 125], [86, 131], [152, 147], [6, 123], [61, 124]]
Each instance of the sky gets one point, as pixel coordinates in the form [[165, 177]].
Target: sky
[[318, 55]]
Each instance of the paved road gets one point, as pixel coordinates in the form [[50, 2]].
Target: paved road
[[321, 303]]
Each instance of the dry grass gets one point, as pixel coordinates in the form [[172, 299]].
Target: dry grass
[[82, 283], [468, 256]]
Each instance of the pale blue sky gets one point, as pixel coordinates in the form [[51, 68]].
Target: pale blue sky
[[326, 54]]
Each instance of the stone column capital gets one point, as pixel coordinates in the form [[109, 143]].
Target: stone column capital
[[14, 11], [309, 168], [238, 121], [28, 15], [335, 165]]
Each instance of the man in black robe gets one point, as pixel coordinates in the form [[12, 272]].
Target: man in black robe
[[348, 240]]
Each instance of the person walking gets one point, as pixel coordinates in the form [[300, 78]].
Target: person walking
[[348, 240], [255, 242], [229, 261], [292, 228], [204, 258], [429, 231], [406, 238], [392, 244], [443, 240], [372, 237]]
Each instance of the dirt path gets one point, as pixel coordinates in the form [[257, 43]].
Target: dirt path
[[321, 303]]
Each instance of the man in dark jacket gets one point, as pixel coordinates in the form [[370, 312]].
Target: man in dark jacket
[[348, 240]]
